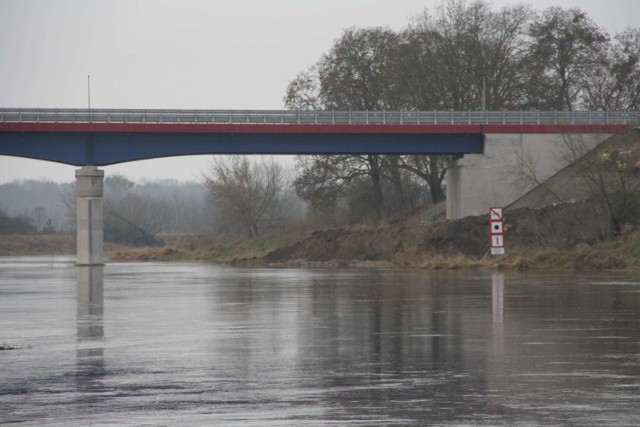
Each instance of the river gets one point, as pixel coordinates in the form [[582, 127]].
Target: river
[[201, 344]]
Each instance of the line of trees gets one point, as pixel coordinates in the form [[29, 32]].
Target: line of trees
[[238, 195], [461, 56], [37, 201], [16, 224], [139, 214]]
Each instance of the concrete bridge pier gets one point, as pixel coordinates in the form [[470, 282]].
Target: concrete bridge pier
[[89, 212]]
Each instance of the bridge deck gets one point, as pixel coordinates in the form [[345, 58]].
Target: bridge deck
[[103, 137]]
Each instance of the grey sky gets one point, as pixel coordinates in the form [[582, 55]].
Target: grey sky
[[222, 54]]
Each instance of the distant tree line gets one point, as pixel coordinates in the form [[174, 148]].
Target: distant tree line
[[461, 56], [238, 195], [137, 214], [37, 201], [134, 213], [15, 224]]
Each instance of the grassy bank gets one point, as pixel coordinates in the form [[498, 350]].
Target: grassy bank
[[205, 248], [617, 255], [37, 244], [428, 247]]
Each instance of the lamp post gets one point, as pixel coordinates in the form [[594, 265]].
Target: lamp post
[[484, 93]]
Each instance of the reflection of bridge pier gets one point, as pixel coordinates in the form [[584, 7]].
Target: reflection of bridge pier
[[90, 328], [497, 313], [90, 295]]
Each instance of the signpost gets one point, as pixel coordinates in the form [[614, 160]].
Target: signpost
[[496, 220]]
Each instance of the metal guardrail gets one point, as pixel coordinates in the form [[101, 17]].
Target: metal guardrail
[[301, 117]]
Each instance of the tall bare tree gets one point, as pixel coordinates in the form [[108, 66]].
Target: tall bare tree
[[38, 214], [303, 92], [244, 189], [360, 73], [566, 45], [614, 84], [465, 53], [608, 173], [322, 179], [431, 169]]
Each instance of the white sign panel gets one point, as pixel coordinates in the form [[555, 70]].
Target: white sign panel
[[497, 241], [497, 251], [496, 227]]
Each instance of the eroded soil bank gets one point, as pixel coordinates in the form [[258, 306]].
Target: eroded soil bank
[[558, 237]]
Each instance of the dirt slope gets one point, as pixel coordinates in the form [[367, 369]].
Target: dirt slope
[[554, 227]]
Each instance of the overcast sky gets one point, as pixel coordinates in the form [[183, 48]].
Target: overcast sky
[[194, 54]]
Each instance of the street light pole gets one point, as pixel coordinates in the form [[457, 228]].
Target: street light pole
[[484, 94]]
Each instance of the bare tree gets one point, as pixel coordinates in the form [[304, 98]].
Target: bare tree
[[565, 46], [244, 189], [614, 84], [360, 71], [600, 173], [608, 173], [38, 214], [322, 178], [429, 168], [465, 53], [303, 92]]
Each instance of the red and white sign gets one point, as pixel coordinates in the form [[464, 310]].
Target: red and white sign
[[496, 214], [496, 221], [496, 227]]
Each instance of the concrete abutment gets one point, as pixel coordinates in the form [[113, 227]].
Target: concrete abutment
[[477, 182]]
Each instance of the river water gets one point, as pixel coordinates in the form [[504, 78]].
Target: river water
[[201, 344]]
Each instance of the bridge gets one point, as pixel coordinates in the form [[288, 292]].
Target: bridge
[[480, 141]]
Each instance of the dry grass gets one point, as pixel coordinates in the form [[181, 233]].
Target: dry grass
[[40, 244], [205, 248], [454, 263]]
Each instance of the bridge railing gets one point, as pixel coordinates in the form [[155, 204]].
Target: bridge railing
[[304, 117]]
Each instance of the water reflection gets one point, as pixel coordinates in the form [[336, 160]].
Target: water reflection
[[195, 344], [90, 328], [497, 312]]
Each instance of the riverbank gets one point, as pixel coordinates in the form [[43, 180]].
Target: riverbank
[[37, 244], [564, 237], [453, 246]]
